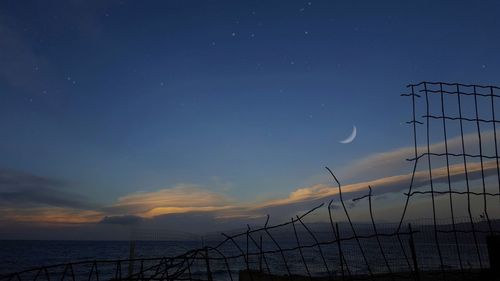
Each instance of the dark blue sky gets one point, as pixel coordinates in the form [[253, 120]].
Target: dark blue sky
[[244, 98]]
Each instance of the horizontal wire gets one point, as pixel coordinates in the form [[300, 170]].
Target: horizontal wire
[[462, 118], [453, 192], [459, 93], [452, 84], [451, 154]]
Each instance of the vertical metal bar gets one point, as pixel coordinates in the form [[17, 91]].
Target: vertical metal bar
[[91, 271], [64, 272], [467, 184], [96, 271], [73, 272], [485, 204], [131, 259], [452, 212], [317, 244], [436, 238], [261, 252], [247, 255], [225, 262], [336, 234], [415, 150], [118, 271], [37, 274], [207, 263], [47, 275], [415, 160], [243, 254], [260, 255], [300, 250], [141, 272], [188, 268], [376, 234], [341, 256], [414, 254], [352, 226], [495, 136], [279, 249]]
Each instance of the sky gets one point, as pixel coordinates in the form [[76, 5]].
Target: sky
[[129, 110]]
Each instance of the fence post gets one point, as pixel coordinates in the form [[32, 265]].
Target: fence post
[[207, 261], [413, 254], [341, 256], [131, 259], [260, 255]]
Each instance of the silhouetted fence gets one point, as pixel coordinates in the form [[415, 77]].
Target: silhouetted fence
[[459, 130]]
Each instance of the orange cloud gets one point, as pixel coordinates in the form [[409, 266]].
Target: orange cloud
[[390, 162], [385, 184], [180, 199], [45, 215], [185, 198]]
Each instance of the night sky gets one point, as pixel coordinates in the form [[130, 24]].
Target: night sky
[[146, 108]]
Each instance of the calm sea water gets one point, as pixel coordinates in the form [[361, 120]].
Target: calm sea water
[[20, 255]]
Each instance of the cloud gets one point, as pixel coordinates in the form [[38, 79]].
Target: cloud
[[50, 215], [122, 220], [394, 162], [27, 197], [26, 190], [388, 184], [179, 199], [191, 201]]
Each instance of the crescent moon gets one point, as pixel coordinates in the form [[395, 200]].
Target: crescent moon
[[350, 138]]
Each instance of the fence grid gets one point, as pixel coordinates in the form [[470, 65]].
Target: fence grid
[[456, 117]]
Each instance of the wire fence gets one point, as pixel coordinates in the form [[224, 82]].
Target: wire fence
[[456, 176]]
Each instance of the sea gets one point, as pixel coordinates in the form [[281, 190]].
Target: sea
[[17, 256]]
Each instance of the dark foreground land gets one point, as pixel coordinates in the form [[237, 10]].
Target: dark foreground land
[[246, 275]]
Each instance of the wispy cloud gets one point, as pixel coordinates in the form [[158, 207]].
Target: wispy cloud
[[51, 215], [44, 199], [393, 162], [179, 199], [24, 190], [26, 197]]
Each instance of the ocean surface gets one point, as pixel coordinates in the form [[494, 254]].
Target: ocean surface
[[20, 255]]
